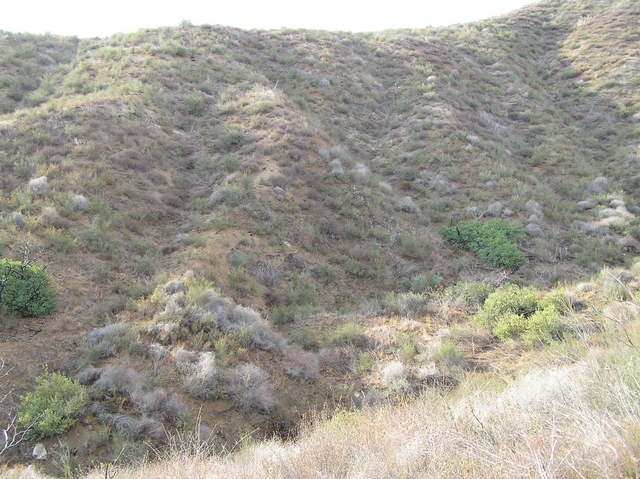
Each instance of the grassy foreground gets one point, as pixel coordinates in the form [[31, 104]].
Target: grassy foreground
[[577, 419], [571, 410]]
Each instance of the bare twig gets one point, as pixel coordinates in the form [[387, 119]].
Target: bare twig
[[10, 433]]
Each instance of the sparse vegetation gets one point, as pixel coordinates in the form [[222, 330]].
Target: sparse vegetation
[[297, 182]]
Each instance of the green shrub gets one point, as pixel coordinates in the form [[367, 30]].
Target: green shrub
[[542, 327], [53, 407], [348, 333], [25, 290], [557, 300], [193, 105], [408, 346], [305, 338], [510, 299], [449, 356], [58, 239], [492, 242], [298, 303], [515, 312], [284, 314], [592, 252], [365, 361], [509, 325]]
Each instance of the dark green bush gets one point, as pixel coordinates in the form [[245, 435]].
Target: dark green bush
[[492, 242], [25, 289], [53, 407]]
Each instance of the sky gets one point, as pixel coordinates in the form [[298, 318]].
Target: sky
[[89, 18]]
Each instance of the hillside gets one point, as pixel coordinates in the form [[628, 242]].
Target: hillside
[[243, 227]]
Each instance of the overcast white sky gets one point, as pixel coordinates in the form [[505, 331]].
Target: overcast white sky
[[86, 18]]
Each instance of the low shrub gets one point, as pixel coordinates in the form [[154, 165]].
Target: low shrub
[[106, 341], [422, 282], [249, 388], [492, 242], [193, 105], [298, 303], [284, 314], [347, 333], [365, 361], [510, 299], [473, 293], [119, 379], [406, 304], [515, 312], [52, 407], [450, 357], [25, 289], [203, 379], [592, 253], [134, 429], [509, 325], [301, 364], [542, 327], [407, 345], [161, 404], [394, 376], [559, 301], [305, 338]]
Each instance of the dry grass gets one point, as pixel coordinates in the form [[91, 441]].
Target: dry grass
[[575, 420]]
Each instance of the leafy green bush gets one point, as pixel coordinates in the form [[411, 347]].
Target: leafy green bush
[[53, 407], [557, 300], [509, 325], [492, 242], [542, 327], [515, 312], [510, 299], [25, 289]]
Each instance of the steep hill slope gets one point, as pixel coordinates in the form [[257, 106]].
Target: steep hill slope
[[306, 175]]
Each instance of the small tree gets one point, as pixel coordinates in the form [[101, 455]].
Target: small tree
[[25, 288]]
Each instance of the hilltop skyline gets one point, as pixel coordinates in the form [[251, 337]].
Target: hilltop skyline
[[75, 18]]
